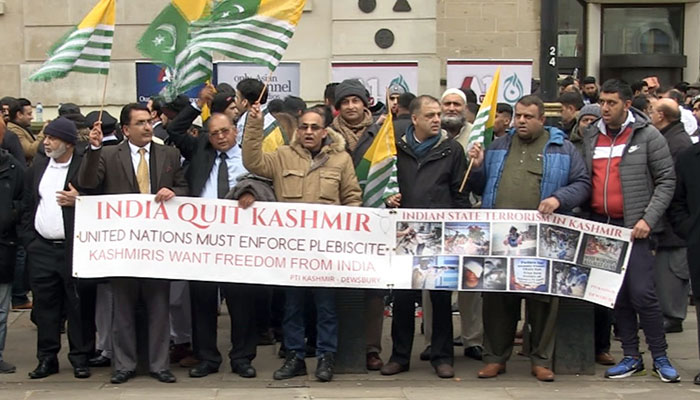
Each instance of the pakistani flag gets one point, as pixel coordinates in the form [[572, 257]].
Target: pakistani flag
[[255, 31], [165, 41], [482, 131], [376, 172], [87, 48]]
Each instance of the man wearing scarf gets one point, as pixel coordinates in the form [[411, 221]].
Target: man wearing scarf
[[352, 100], [430, 171]]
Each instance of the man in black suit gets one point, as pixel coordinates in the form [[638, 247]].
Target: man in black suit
[[47, 231], [215, 163], [136, 166]]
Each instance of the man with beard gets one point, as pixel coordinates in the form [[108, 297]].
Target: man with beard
[[590, 90], [453, 103], [47, 231]]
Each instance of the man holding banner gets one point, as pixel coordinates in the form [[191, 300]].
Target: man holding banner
[[215, 163], [314, 168], [531, 168], [430, 170], [136, 166]]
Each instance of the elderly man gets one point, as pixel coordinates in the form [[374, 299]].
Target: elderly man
[[671, 266], [532, 168], [315, 152], [47, 232], [215, 163], [453, 120]]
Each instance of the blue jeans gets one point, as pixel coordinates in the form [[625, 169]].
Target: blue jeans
[[326, 321], [5, 296]]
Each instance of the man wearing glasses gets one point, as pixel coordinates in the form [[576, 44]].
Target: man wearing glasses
[[314, 168], [215, 163], [136, 166]]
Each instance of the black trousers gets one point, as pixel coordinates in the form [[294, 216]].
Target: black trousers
[[55, 291], [403, 327], [603, 318], [241, 302]]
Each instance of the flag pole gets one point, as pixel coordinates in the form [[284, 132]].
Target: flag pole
[[466, 175], [104, 95], [267, 82]]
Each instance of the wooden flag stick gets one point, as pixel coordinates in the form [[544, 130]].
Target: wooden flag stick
[[104, 95], [466, 175], [267, 82]]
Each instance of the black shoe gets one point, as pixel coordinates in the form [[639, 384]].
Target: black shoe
[[45, 368], [457, 341], [81, 372], [202, 369], [119, 377], [99, 361], [164, 376], [324, 368], [475, 352], [673, 326], [697, 379], [293, 366], [244, 370], [425, 354]]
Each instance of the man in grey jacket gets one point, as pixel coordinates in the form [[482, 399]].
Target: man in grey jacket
[[633, 181]]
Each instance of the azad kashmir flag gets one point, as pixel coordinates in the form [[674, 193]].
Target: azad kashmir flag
[[256, 31], [165, 41], [376, 172], [482, 131], [87, 48]]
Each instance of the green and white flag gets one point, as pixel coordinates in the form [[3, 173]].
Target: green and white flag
[[255, 31], [166, 39], [87, 48]]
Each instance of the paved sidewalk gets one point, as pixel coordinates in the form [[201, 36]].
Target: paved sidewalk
[[419, 383]]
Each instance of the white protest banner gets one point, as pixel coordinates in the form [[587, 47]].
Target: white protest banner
[[333, 246], [285, 81], [511, 251], [213, 240], [516, 76], [377, 76]]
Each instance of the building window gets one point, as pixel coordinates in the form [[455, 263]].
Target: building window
[[570, 32], [642, 30]]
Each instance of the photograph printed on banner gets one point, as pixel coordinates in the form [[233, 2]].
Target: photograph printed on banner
[[514, 239], [467, 238], [435, 272], [569, 279], [602, 253], [418, 238], [495, 273], [558, 243], [486, 273], [529, 274]]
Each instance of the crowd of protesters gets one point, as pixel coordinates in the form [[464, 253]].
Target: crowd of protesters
[[622, 154]]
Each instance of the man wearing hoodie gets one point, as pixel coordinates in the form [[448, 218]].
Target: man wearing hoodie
[[633, 181]]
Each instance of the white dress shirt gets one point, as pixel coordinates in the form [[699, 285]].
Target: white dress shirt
[[234, 161], [136, 158], [48, 221]]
